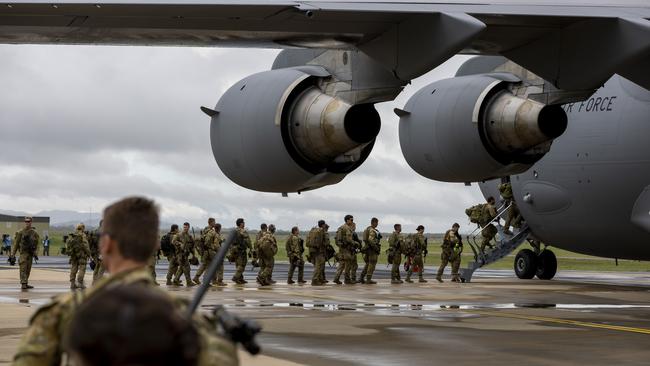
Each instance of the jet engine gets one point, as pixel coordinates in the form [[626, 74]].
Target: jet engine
[[472, 128], [277, 131]]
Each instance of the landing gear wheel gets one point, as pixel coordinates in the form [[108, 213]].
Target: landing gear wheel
[[546, 265], [526, 264]]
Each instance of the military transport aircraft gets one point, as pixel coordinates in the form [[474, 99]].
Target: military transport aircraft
[[556, 102]]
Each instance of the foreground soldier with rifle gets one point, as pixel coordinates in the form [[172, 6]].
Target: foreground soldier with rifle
[[26, 243], [125, 255]]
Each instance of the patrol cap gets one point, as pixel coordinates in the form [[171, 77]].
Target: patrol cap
[[28, 219], [80, 226]]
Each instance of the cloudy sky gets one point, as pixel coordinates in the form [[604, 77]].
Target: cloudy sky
[[83, 126]]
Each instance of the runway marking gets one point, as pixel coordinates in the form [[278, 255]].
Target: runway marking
[[565, 321]]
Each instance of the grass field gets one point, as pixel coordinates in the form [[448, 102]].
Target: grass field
[[566, 260]]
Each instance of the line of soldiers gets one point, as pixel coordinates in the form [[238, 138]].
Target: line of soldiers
[[182, 249]]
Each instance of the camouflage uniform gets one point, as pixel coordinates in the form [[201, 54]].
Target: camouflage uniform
[[452, 248], [514, 216], [79, 251], [184, 244], [216, 245], [267, 249], [95, 255], [371, 250], [489, 231], [323, 252], [294, 253], [42, 343], [206, 250], [239, 254], [172, 258], [419, 249], [152, 267], [395, 242], [346, 244], [26, 243]]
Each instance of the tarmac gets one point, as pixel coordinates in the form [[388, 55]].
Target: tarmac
[[579, 317]]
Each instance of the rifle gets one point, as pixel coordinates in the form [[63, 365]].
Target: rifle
[[238, 330]]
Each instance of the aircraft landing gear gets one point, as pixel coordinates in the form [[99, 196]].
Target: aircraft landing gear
[[526, 264], [546, 265]]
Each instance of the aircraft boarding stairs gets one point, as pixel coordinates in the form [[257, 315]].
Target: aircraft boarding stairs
[[505, 244]]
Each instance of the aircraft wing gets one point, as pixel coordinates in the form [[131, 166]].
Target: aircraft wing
[[555, 39]]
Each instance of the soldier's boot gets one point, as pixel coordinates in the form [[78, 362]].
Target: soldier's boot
[[28, 286], [422, 280], [317, 283], [369, 281], [169, 282], [408, 278], [290, 281], [395, 281], [337, 281], [73, 286], [81, 285], [361, 280], [439, 279], [196, 280], [271, 281], [301, 280]]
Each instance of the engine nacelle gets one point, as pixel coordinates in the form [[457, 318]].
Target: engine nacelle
[[276, 131], [471, 128]]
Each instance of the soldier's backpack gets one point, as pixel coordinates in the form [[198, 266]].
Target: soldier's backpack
[[475, 213], [410, 245], [73, 245], [313, 239], [505, 189], [166, 244], [266, 247]]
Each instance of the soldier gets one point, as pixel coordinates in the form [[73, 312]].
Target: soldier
[[315, 243], [370, 250], [267, 249], [514, 216], [206, 249], [354, 263], [488, 213], [93, 243], [328, 251], [128, 239], [216, 245], [346, 244], [26, 243], [419, 246], [395, 244], [132, 325], [79, 252], [452, 247], [170, 252], [184, 244], [239, 252], [295, 249], [256, 260]]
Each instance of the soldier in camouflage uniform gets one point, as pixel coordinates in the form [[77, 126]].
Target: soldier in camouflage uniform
[[420, 249], [26, 243], [325, 249], [184, 244], [267, 249], [452, 247], [239, 252], [370, 250], [514, 216], [347, 245], [93, 243], [489, 230], [395, 243], [256, 260], [316, 245], [129, 237], [216, 245], [358, 244], [295, 249], [79, 252], [172, 256], [206, 249]]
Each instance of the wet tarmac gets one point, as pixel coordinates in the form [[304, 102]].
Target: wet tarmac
[[580, 317]]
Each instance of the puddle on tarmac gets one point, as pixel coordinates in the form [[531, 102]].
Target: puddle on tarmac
[[415, 309], [13, 300]]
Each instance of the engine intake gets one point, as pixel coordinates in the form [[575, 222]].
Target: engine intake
[[472, 128], [276, 131]]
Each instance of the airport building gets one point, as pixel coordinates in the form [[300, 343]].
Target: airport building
[[10, 224]]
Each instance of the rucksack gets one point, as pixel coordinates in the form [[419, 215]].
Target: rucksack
[[475, 213], [312, 239], [266, 246], [505, 189], [74, 244], [410, 245], [166, 244]]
